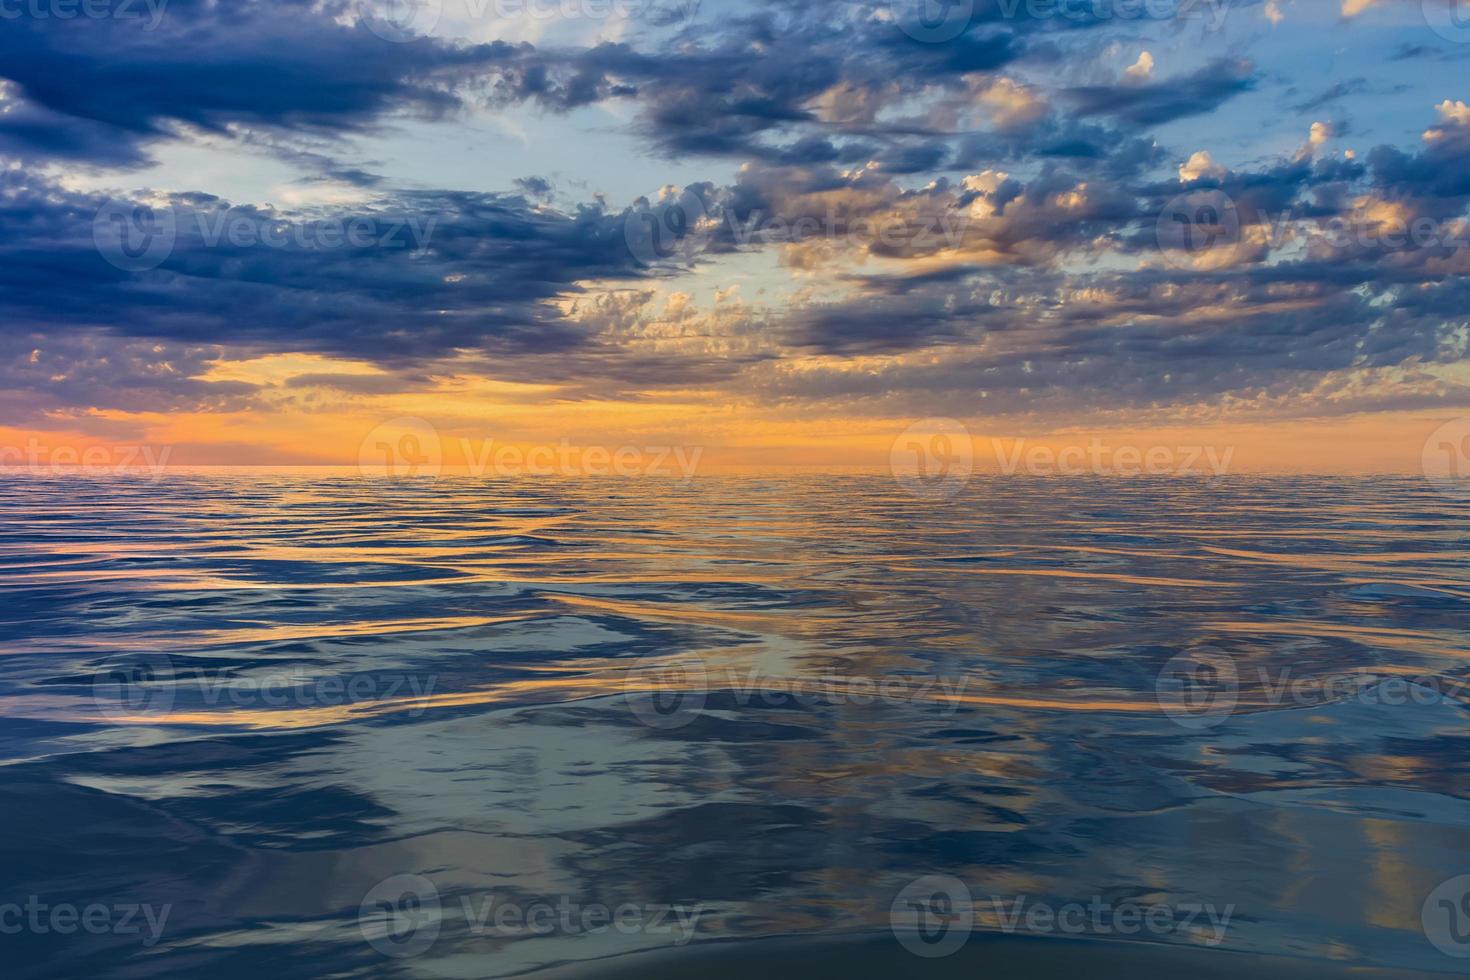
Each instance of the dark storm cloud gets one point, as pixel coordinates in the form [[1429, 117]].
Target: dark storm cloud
[[882, 325], [412, 283], [102, 89], [746, 87], [1441, 170], [1081, 145], [411, 277], [1153, 103]]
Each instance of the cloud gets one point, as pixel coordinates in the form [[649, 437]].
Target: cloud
[[1441, 170], [1141, 70], [1012, 105], [973, 222], [404, 277], [1335, 92], [1201, 166], [1155, 103], [285, 65]]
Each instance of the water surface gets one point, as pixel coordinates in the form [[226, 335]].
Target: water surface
[[278, 703]]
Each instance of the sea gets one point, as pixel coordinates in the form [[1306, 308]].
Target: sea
[[315, 724]]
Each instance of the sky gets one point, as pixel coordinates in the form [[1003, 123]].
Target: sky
[[784, 233]]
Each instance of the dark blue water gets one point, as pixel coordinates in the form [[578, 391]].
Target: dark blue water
[[318, 726]]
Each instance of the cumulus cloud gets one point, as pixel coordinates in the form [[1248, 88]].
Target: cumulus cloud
[[1142, 69], [1201, 166], [992, 218]]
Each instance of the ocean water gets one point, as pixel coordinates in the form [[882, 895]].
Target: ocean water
[[318, 725]]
